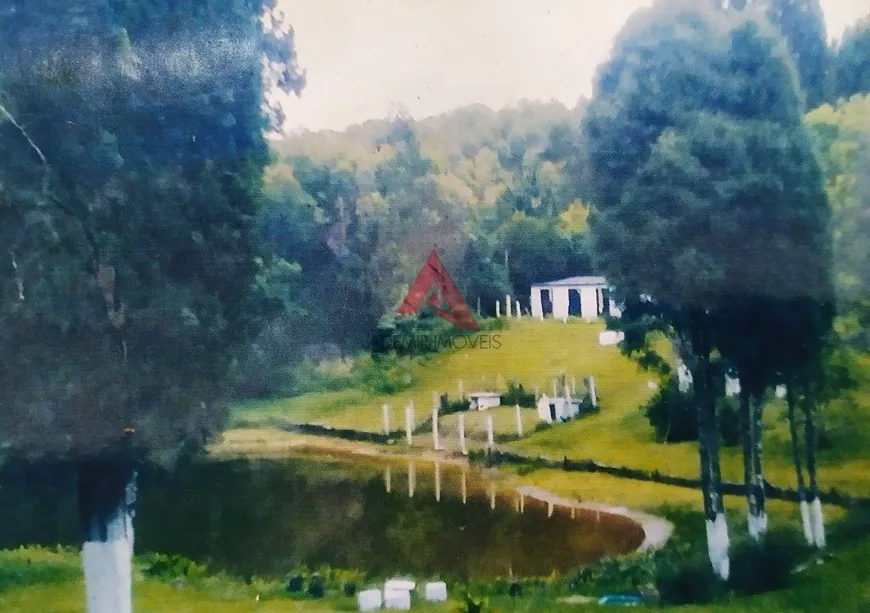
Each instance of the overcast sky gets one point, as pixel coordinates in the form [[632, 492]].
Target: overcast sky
[[364, 56]]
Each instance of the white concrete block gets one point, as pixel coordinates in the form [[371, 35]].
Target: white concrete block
[[610, 337], [397, 599], [436, 592], [400, 584], [369, 600]]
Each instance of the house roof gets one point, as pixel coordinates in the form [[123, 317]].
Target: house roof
[[573, 282]]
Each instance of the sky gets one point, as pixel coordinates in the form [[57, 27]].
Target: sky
[[365, 57]]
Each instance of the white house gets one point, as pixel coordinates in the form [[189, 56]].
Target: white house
[[557, 409], [480, 401], [587, 297]]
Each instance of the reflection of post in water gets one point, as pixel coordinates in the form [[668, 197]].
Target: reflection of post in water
[[549, 509], [572, 512], [388, 479], [464, 488], [492, 497], [412, 479], [522, 503], [438, 481]]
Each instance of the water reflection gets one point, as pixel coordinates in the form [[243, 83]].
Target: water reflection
[[265, 517]]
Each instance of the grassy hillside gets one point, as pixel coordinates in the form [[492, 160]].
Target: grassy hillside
[[534, 353]]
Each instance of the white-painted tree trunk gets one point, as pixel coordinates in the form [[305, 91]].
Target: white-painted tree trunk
[[717, 546], [107, 553], [818, 523], [805, 521], [757, 525]]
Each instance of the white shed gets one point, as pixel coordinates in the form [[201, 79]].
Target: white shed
[[587, 297], [480, 401], [557, 409]]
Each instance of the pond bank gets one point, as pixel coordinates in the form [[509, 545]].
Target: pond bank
[[274, 443]]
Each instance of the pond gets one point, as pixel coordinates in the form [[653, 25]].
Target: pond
[[266, 517]]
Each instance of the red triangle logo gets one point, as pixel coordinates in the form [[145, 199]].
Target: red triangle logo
[[434, 287]]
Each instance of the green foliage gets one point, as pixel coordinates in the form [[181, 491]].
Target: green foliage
[[472, 604], [672, 413], [168, 567], [767, 566], [516, 394], [385, 373], [623, 574], [135, 184], [851, 70], [458, 405]]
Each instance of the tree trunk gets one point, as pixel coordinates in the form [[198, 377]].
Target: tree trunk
[[749, 470], [708, 437], [758, 462], [796, 458], [817, 518], [107, 495]]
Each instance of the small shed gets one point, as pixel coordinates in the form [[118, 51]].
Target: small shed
[[481, 401], [587, 297], [557, 409]]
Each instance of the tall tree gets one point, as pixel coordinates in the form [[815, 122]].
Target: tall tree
[[131, 151], [693, 135], [851, 70]]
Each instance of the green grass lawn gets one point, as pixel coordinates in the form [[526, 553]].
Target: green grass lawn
[[534, 353], [42, 581]]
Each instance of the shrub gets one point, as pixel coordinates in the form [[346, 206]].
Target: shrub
[[541, 426], [454, 406], [672, 413], [168, 567], [316, 586], [621, 574], [766, 566], [684, 576], [386, 373], [295, 584], [516, 394], [350, 589]]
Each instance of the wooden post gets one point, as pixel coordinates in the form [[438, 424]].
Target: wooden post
[[519, 421], [436, 444], [462, 446], [386, 419], [522, 503], [409, 422], [490, 435], [519, 312], [412, 479]]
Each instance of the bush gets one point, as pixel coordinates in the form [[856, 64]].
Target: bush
[[350, 589], [386, 373], [169, 567], [295, 584], [516, 394], [316, 586], [454, 406], [672, 413], [766, 566], [621, 574]]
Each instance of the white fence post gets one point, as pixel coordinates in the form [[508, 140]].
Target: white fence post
[[519, 421], [386, 419], [490, 435], [462, 447]]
